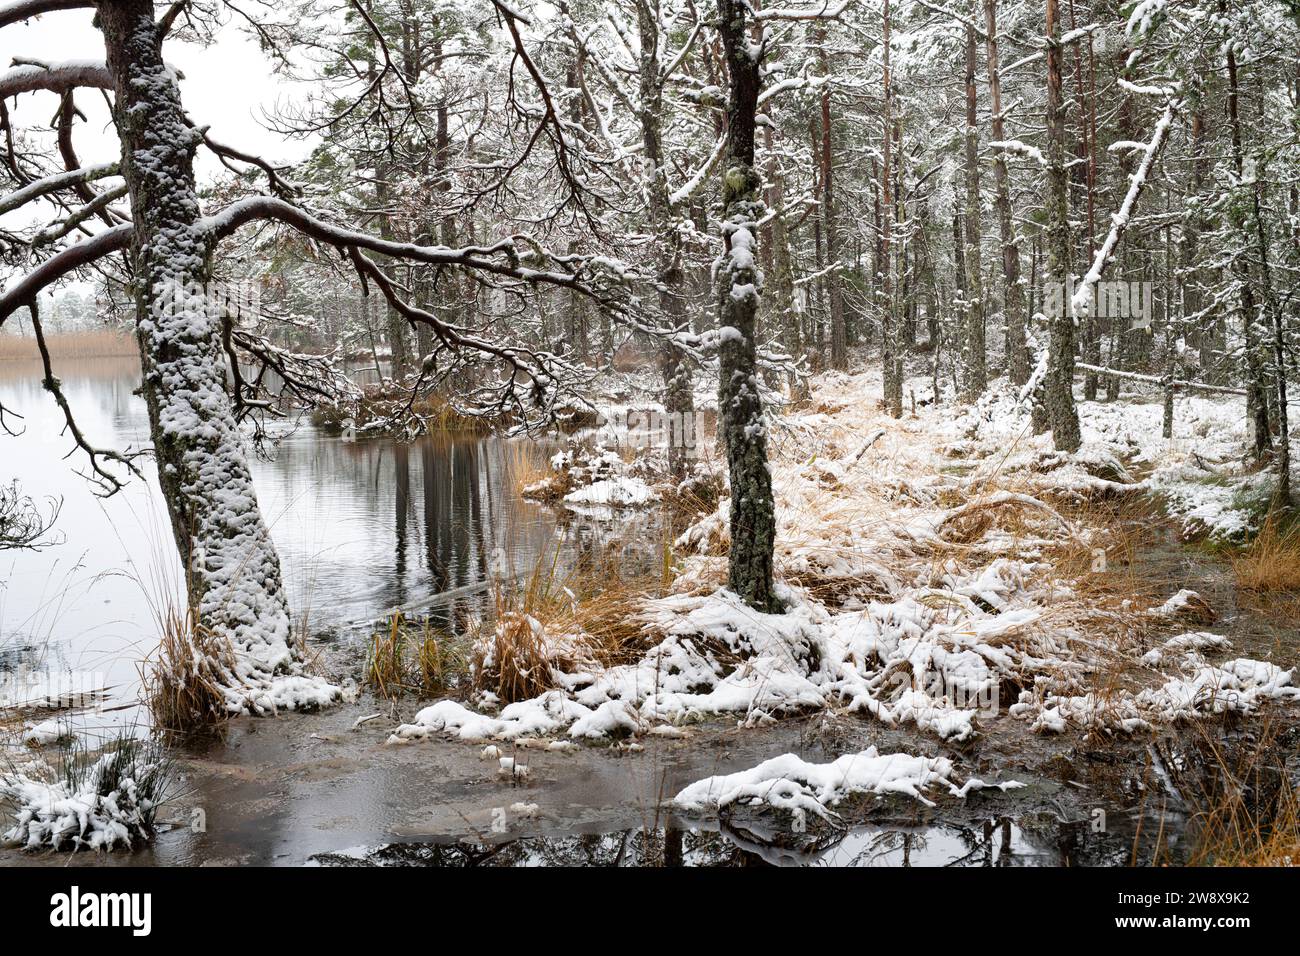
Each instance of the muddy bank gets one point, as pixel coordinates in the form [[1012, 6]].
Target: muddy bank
[[323, 789], [310, 789]]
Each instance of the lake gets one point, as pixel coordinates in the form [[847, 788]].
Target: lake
[[362, 527]]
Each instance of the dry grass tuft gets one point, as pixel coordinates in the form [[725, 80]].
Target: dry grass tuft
[[98, 344], [1021, 517], [1245, 808], [383, 406], [1271, 562], [517, 659], [531, 474], [183, 680], [416, 659], [556, 621]]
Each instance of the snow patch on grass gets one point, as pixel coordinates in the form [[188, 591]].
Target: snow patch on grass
[[790, 783], [100, 805], [922, 575]]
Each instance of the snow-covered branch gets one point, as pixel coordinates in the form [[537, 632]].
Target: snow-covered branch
[[1120, 220], [55, 77], [20, 10]]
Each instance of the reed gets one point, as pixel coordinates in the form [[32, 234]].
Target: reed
[[97, 344]]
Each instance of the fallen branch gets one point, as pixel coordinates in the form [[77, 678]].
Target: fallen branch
[[1176, 384]]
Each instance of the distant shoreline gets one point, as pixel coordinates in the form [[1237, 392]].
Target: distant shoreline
[[106, 343]]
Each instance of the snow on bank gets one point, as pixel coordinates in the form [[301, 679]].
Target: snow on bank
[[789, 783], [255, 692], [1237, 686], [918, 562], [592, 481], [1203, 474], [86, 815], [613, 491]]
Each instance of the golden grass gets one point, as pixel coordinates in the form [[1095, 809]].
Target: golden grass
[[1245, 809], [971, 521], [529, 466], [182, 681], [381, 403], [441, 416], [557, 620], [1271, 562], [105, 342], [1236, 835], [418, 659]]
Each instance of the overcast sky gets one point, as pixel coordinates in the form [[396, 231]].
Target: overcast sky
[[227, 86]]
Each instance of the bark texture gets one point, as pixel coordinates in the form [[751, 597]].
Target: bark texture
[[1059, 384], [233, 572], [679, 401], [744, 431]]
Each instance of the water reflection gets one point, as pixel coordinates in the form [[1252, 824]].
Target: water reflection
[[995, 842], [362, 527]]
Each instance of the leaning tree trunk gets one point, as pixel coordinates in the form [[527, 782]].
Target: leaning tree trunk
[[233, 572], [1059, 384], [753, 512]]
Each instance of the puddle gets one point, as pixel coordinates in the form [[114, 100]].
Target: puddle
[[997, 842]]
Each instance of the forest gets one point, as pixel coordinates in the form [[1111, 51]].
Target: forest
[[840, 432]]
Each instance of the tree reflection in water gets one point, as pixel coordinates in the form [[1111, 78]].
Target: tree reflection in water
[[758, 841]]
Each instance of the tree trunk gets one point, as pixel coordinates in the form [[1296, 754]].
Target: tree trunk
[[233, 572], [974, 340], [781, 281], [839, 335], [1084, 170], [1059, 384], [679, 402], [890, 359], [744, 431], [1189, 283], [1256, 386], [1018, 363]]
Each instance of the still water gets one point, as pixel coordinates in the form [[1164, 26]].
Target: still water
[[362, 527]]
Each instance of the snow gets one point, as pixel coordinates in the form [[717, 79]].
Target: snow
[[46, 732], [1021, 149], [49, 815], [1184, 644], [613, 491], [918, 588], [790, 783]]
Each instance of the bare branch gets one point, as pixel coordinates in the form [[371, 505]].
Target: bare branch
[[49, 184], [20, 10], [108, 483], [56, 77]]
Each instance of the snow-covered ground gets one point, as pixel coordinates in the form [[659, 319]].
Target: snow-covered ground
[[932, 575]]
